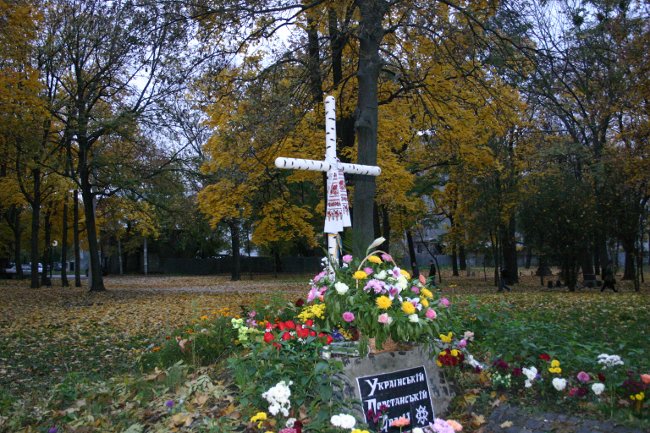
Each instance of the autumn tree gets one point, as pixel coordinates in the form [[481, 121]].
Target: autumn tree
[[112, 63]]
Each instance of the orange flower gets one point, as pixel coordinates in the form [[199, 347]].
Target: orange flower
[[400, 422], [645, 378]]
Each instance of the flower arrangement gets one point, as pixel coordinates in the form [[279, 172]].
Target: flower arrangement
[[373, 296]]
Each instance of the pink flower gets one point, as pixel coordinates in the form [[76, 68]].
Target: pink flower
[[431, 314], [444, 302], [462, 343], [422, 279], [347, 258], [384, 319], [368, 270], [386, 258], [415, 289], [348, 316], [583, 377]]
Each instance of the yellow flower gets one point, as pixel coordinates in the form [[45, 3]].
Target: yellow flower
[[405, 273], [555, 363], [640, 396], [446, 338], [454, 352], [424, 302], [374, 259], [204, 317], [259, 417], [356, 430], [426, 293], [384, 302], [439, 364], [555, 370], [408, 308], [360, 275]]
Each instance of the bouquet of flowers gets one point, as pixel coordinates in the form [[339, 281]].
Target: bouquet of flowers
[[377, 299]]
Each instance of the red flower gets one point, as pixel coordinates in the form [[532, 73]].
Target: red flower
[[309, 322], [281, 326], [286, 336], [290, 325], [300, 302], [302, 332], [329, 339], [545, 357], [601, 377], [517, 372], [268, 337], [312, 333], [298, 426]]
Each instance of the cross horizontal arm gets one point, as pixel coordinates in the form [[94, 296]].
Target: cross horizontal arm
[[313, 165]]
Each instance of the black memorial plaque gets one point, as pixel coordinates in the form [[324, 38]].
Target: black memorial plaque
[[404, 393]]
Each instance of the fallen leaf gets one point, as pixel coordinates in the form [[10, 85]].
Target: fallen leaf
[[506, 424], [477, 420]]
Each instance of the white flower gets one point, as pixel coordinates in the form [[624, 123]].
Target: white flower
[[343, 420], [341, 288], [598, 388], [559, 383], [278, 398], [472, 362], [290, 422], [468, 335], [402, 282], [531, 374], [381, 275], [380, 240], [417, 430], [609, 360], [414, 318]]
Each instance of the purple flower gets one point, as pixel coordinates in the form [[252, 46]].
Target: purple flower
[[444, 302], [583, 377], [415, 289], [462, 343], [386, 258], [53, 429], [348, 316], [368, 270], [169, 403], [376, 285], [441, 426], [347, 258]]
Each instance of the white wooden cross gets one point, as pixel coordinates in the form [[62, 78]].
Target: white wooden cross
[[337, 214]]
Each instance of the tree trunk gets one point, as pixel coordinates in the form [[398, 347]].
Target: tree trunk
[[414, 261], [385, 219], [529, 257], [235, 244], [47, 251], [75, 235], [64, 243], [454, 260], [630, 268], [509, 251], [18, 232], [145, 256], [313, 63], [376, 223], [370, 35], [36, 222], [96, 282], [462, 259], [119, 256]]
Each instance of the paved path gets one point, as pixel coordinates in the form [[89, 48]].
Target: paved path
[[523, 422]]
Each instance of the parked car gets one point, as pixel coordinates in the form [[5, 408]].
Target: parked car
[[27, 268]]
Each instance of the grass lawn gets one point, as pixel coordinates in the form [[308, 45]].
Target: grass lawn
[[68, 357]]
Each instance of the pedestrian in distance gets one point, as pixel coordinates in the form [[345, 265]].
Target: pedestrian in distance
[[609, 281], [503, 281]]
